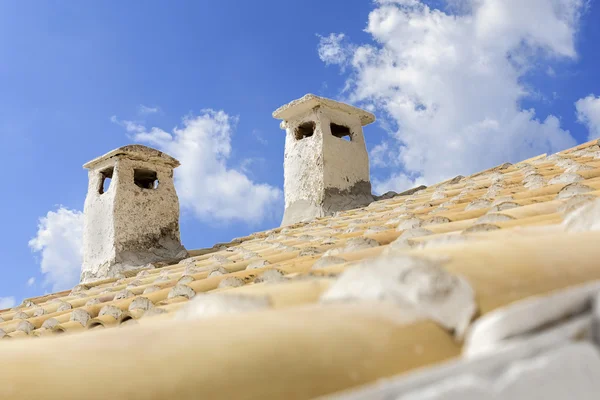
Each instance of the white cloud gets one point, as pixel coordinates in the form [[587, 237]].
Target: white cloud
[[205, 183], [59, 242], [7, 302], [130, 126], [451, 84], [142, 109], [332, 50], [588, 113], [397, 182], [31, 281], [380, 155]]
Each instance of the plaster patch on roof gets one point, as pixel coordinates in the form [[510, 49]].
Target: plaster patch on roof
[[438, 195], [217, 272], [415, 282], [270, 276], [436, 220], [141, 303], [376, 229], [161, 278], [565, 163], [450, 203], [578, 167], [583, 219], [210, 305], [25, 326], [565, 371], [111, 310], [409, 224], [572, 190], [566, 178], [527, 316], [181, 290], [220, 259], [124, 294], [415, 232], [185, 279], [193, 269], [478, 204], [20, 315], [257, 264], [64, 306], [354, 244], [250, 255], [80, 315], [481, 228], [504, 203], [309, 251], [575, 202], [491, 218], [151, 289], [443, 241], [327, 261], [50, 323], [400, 244], [133, 284], [231, 282], [39, 311], [533, 182], [329, 240]]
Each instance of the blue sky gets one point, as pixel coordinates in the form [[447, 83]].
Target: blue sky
[[505, 81]]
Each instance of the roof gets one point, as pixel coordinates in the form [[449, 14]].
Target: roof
[[135, 152], [307, 102], [318, 307]]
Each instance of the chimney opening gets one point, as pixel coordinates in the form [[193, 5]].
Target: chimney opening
[[145, 178], [105, 178], [341, 131], [305, 129]]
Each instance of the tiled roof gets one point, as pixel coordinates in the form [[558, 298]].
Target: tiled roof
[[317, 307]]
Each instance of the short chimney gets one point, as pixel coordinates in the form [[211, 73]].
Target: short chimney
[[326, 165], [131, 212]]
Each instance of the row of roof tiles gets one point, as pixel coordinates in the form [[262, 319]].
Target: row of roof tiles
[[504, 230]]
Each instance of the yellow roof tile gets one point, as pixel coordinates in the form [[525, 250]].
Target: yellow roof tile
[[268, 333]]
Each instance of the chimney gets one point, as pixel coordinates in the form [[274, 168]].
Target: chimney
[[131, 212], [326, 165]]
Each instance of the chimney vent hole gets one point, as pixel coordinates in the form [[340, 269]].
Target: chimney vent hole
[[145, 178], [341, 131], [105, 178], [304, 130]]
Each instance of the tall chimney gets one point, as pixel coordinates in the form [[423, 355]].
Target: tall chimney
[[131, 212], [326, 166]]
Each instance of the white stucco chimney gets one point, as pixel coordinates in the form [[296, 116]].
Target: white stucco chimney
[[131, 212], [326, 166]]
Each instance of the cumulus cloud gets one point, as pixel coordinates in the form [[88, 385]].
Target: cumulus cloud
[[450, 82], [7, 302], [205, 183], [59, 244], [31, 281], [588, 113]]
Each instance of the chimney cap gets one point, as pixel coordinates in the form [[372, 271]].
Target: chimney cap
[[135, 152], [311, 101]]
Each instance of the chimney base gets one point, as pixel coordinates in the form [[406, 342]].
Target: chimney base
[[359, 195]]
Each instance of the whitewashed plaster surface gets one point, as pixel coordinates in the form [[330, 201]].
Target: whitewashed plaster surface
[[127, 226], [323, 173]]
